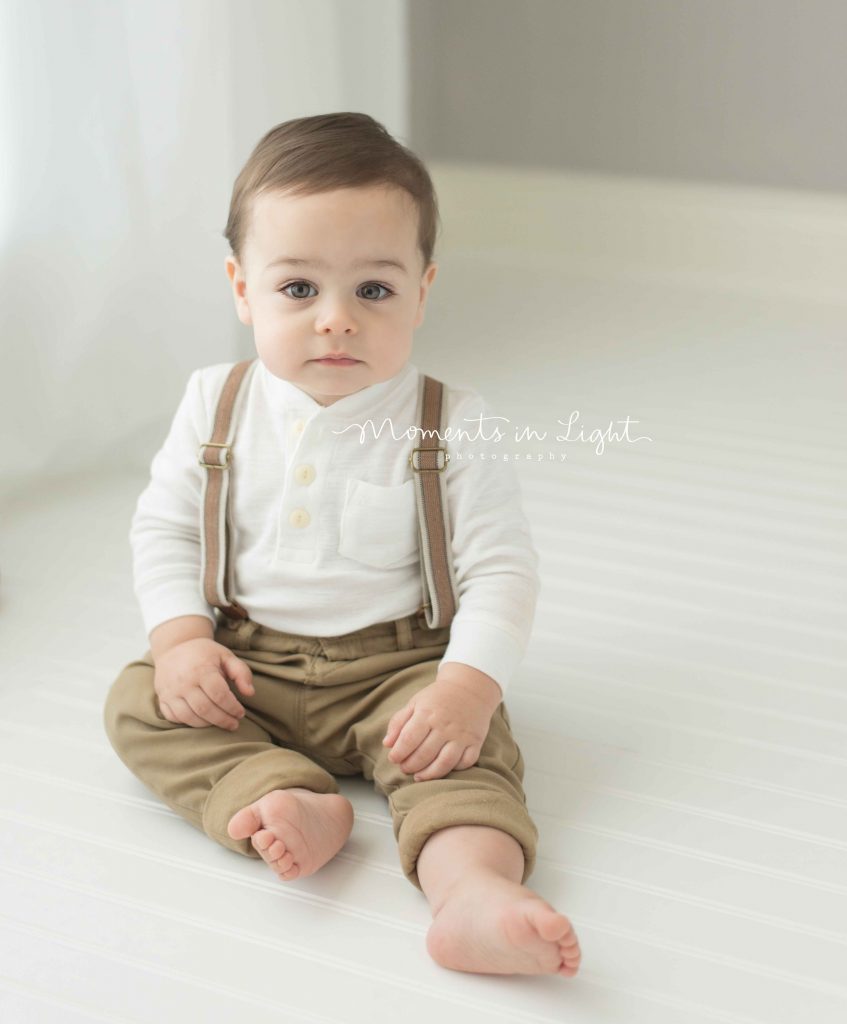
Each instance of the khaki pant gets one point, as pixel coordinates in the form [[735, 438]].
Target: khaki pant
[[321, 708]]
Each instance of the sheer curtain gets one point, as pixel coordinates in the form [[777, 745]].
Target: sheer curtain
[[122, 126]]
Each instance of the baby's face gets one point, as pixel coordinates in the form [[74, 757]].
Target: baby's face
[[336, 298]]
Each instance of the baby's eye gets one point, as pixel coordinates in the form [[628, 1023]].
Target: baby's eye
[[305, 284], [373, 284], [296, 284]]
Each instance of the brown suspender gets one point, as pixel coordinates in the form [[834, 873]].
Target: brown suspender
[[428, 461], [216, 522], [438, 581]]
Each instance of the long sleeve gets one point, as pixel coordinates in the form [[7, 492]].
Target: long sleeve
[[165, 530], [289, 569], [495, 562]]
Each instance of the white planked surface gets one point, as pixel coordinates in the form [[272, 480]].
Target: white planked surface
[[682, 708]]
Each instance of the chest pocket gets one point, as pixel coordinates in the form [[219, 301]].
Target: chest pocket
[[379, 525]]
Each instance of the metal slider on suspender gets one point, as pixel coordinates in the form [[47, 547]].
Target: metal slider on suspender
[[429, 469], [215, 465]]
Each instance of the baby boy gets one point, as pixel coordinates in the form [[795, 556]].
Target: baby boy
[[241, 723]]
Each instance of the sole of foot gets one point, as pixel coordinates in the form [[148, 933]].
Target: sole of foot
[[295, 831], [502, 927]]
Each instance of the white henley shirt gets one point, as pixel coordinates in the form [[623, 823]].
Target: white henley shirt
[[325, 530]]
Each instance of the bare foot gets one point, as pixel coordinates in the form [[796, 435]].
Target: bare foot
[[491, 925], [295, 830]]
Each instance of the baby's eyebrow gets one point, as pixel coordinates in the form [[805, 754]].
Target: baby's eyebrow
[[295, 261]]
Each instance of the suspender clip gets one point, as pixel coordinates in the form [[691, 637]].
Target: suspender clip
[[215, 465], [428, 469]]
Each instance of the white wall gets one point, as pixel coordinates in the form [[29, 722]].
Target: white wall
[[122, 128]]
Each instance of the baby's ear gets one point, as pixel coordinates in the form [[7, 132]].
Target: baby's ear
[[239, 287], [426, 283]]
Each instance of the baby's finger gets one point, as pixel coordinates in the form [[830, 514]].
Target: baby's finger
[[165, 711], [207, 709], [425, 754], [443, 764], [217, 690], [239, 672], [395, 724], [410, 738], [185, 714]]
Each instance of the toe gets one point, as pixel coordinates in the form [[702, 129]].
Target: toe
[[571, 957], [263, 840], [244, 823], [291, 873], [551, 925], [276, 850], [285, 862]]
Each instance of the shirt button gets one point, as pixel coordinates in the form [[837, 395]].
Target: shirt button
[[298, 426], [299, 517], [304, 474]]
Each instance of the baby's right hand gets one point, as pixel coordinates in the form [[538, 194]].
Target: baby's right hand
[[191, 682]]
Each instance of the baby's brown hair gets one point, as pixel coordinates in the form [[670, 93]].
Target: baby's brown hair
[[308, 155]]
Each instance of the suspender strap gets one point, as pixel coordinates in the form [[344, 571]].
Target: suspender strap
[[428, 463], [216, 526]]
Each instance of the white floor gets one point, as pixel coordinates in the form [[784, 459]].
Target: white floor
[[682, 708]]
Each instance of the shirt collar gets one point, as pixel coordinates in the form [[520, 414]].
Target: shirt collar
[[282, 394]]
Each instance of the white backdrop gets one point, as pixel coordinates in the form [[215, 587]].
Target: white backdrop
[[122, 127]]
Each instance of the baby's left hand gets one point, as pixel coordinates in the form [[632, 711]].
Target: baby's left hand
[[441, 728]]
